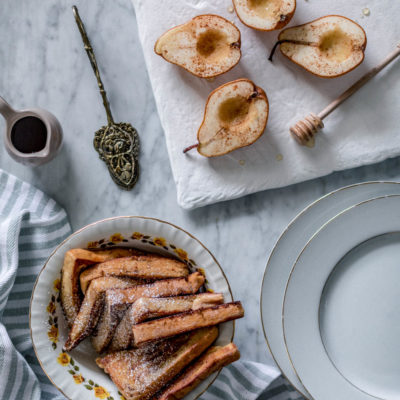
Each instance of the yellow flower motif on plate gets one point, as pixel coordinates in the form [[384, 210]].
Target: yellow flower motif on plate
[[136, 235], [160, 241], [57, 285], [181, 254], [78, 379], [63, 359], [52, 333], [101, 393], [116, 238], [92, 245], [51, 308]]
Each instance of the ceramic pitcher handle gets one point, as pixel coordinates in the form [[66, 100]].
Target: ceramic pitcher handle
[[5, 109]]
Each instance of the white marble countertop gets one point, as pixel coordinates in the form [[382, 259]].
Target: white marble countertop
[[43, 64]]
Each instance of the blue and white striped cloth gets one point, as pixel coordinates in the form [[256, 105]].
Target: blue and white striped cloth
[[31, 225]]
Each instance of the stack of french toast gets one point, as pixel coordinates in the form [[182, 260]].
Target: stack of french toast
[[149, 317]]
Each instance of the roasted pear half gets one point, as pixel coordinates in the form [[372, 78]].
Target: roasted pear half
[[265, 15], [235, 116], [328, 47], [207, 45]]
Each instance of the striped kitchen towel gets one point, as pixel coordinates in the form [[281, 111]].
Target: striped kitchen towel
[[31, 226]]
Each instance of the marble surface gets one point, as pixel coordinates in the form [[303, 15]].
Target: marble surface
[[43, 64]]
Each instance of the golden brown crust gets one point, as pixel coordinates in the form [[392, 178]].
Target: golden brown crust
[[324, 76], [279, 24], [211, 361], [88, 315], [261, 94], [239, 43], [140, 373], [117, 301], [76, 260], [184, 322], [148, 308], [142, 266]]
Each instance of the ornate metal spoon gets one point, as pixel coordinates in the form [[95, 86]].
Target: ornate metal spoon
[[116, 143]]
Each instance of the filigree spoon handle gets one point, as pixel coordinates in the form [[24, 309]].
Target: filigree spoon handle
[[93, 62], [116, 143]]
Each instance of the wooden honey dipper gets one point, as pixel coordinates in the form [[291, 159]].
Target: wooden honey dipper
[[305, 130]]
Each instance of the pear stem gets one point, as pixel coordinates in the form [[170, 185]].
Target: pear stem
[[253, 95], [279, 42], [193, 146]]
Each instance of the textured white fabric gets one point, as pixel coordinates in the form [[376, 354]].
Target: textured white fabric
[[363, 131]]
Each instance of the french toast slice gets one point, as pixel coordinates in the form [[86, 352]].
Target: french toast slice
[[186, 321], [75, 260], [212, 360], [145, 266], [89, 312], [140, 373], [117, 301], [151, 307]]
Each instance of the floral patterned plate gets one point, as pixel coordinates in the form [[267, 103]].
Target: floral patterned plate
[[75, 373]]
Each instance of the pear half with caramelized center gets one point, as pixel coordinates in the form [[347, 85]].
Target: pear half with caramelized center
[[330, 46], [235, 116], [265, 15], [207, 46]]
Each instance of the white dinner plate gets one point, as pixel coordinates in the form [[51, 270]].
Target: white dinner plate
[[341, 314], [285, 253], [75, 373]]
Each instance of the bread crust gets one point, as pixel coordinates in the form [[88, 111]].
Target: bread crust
[[150, 307], [184, 322], [75, 261], [90, 310], [142, 266], [140, 373], [212, 360], [117, 301]]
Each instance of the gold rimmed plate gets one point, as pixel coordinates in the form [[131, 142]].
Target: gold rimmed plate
[[285, 253], [75, 373], [341, 305]]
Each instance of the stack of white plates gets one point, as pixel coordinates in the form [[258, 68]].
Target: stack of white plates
[[330, 300]]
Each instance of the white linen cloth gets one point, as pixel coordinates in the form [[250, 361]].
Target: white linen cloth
[[364, 130]]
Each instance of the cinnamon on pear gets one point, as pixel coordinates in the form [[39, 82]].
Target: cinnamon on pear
[[328, 47], [206, 46], [265, 15], [235, 116]]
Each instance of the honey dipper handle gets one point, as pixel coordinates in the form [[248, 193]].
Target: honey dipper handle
[[360, 83]]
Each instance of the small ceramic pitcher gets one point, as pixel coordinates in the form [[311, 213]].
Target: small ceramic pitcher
[[53, 134]]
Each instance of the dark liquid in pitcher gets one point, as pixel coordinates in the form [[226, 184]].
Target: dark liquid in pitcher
[[29, 135]]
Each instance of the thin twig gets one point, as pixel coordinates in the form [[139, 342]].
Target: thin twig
[[193, 146]]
